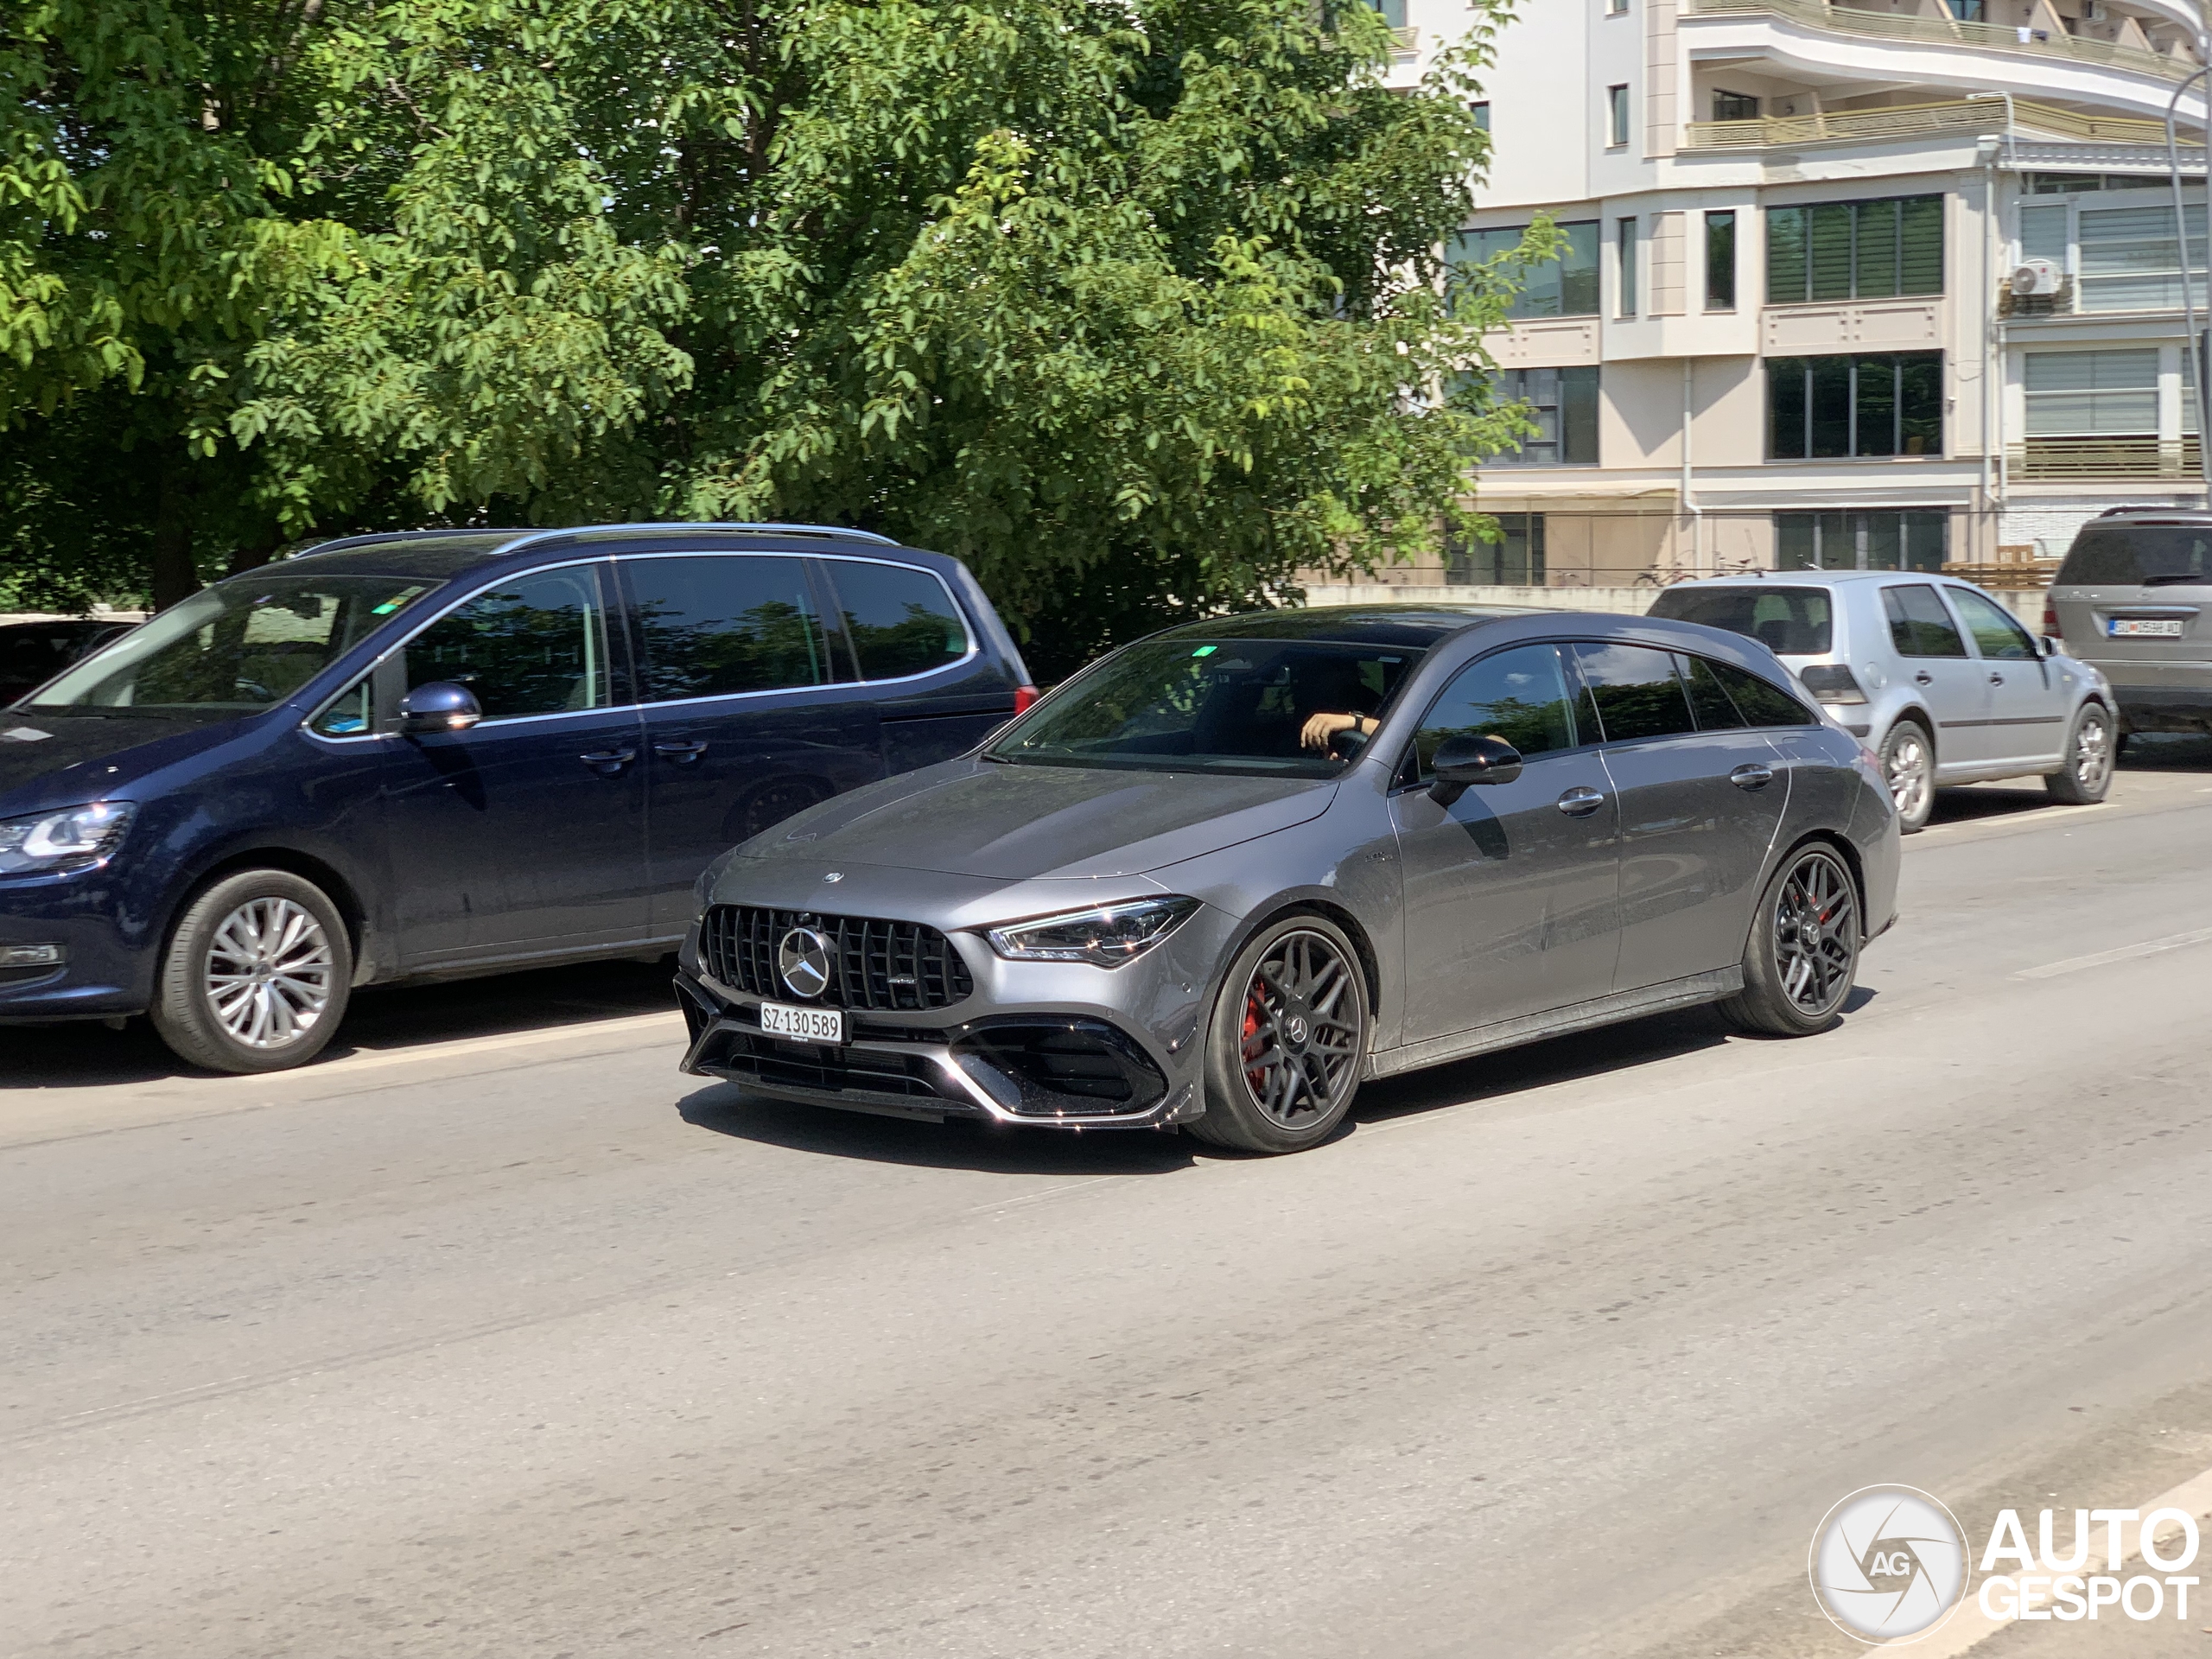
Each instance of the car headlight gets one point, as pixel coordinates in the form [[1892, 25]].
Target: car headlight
[[56, 842], [1106, 936]]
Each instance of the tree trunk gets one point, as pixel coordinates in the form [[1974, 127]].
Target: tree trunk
[[174, 576], [253, 556]]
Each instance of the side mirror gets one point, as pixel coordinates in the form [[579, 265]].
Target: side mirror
[[1463, 760], [2050, 645], [438, 706]]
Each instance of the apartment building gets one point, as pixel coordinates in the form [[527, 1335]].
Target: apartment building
[[1888, 284]]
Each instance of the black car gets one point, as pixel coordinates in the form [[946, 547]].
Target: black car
[[31, 653], [430, 754]]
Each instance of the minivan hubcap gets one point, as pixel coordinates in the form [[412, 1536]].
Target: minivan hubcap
[[1300, 1050], [268, 973], [2092, 754], [1816, 933]]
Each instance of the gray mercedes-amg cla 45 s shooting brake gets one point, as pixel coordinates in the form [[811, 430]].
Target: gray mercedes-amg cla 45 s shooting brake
[[1226, 874]]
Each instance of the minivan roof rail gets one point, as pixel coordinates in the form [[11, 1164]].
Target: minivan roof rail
[[832, 532]]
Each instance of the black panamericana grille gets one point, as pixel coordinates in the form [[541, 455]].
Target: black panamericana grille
[[874, 965]]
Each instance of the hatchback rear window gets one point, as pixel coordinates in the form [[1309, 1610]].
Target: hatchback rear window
[[1789, 622], [2139, 556]]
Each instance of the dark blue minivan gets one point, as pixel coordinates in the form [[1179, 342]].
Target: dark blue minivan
[[445, 752]]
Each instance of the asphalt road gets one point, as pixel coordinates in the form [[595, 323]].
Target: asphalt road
[[493, 1335]]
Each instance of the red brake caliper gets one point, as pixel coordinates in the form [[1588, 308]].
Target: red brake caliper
[[1255, 1075]]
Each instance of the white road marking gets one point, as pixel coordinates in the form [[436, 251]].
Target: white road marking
[[2123, 953], [1970, 1627]]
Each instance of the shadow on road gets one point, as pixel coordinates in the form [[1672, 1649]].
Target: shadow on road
[[2147, 751], [955, 1144], [81, 1055]]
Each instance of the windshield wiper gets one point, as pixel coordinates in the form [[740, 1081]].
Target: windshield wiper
[[2180, 579]]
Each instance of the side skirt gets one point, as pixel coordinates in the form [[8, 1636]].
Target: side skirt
[[1557, 1022]]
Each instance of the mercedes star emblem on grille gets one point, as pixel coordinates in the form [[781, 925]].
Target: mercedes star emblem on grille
[[803, 959]]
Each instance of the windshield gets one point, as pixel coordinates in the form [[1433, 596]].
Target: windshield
[[2140, 556], [1226, 705], [236, 648], [1787, 621]]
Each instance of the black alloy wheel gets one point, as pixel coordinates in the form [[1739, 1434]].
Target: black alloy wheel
[[1289, 1039], [1803, 956]]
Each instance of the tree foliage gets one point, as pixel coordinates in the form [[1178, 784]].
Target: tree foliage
[[1136, 305]]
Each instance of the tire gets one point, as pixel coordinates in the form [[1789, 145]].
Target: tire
[[257, 975], [1795, 981], [2086, 778], [1909, 768], [1295, 992]]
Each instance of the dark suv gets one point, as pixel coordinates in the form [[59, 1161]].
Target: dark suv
[[444, 753]]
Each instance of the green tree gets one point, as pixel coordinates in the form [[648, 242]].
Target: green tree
[[1136, 305]]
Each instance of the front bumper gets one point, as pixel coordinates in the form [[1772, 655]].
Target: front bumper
[[108, 954], [1043, 1067]]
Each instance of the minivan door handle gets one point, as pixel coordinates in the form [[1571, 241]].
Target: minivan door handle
[[607, 762], [1580, 801], [1924, 677], [1752, 776], [681, 752]]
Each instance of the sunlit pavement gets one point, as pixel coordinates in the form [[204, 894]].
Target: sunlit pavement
[[495, 1335]]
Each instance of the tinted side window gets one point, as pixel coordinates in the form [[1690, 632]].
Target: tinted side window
[[1786, 620], [535, 645], [1709, 699], [1637, 692], [1519, 696], [1763, 703], [1997, 635], [713, 627], [901, 620], [1919, 626], [349, 713]]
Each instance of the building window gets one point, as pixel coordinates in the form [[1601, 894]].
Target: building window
[[1565, 287], [1617, 115], [1625, 237], [1968, 11], [1564, 404], [1616, 8], [1861, 541], [1735, 106], [1481, 111], [2130, 259], [2093, 394], [1516, 560], [1854, 250], [1831, 408], [1721, 262], [1394, 11]]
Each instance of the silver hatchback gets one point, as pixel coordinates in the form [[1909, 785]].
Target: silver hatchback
[[1227, 872], [1931, 673]]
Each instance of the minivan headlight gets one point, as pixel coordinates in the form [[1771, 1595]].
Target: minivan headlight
[[75, 838], [1106, 936]]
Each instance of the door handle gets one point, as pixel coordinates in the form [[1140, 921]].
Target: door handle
[[1924, 677], [607, 762], [1580, 802], [1752, 776], [682, 752], [1996, 679]]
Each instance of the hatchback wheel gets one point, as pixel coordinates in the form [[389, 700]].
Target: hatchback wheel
[[2087, 776], [257, 975], [1803, 953], [1909, 767], [1289, 1037]]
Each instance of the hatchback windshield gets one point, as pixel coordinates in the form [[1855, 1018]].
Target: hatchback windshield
[[1224, 705], [1789, 622], [238, 647], [2140, 556]]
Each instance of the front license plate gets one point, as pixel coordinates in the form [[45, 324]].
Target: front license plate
[[806, 1025], [2144, 627]]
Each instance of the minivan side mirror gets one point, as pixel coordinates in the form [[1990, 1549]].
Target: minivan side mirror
[[1463, 760], [438, 706]]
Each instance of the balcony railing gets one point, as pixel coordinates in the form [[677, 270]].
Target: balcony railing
[[1912, 120], [1950, 31], [2120, 459]]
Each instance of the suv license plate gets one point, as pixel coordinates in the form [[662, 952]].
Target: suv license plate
[[2144, 627], [807, 1025]]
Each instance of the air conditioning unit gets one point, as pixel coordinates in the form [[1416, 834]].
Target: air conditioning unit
[[2037, 277]]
